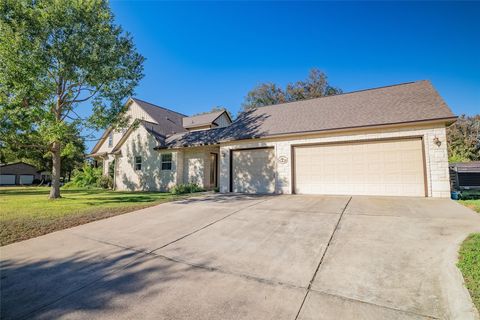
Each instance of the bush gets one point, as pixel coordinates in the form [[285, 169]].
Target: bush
[[105, 182], [186, 188], [470, 194], [87, 177]]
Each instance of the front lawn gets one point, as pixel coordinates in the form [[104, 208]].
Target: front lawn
[[469, 258], [26, 212], [472, 204], [469, 264]]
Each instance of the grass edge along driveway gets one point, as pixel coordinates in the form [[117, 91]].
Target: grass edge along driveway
[[26, 212], [469, 258]]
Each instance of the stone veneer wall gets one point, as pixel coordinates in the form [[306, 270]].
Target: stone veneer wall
[[436, 158]]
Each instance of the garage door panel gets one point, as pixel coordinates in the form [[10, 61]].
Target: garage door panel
[[390, 167], [253, 171]]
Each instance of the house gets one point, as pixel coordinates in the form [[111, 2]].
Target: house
[[465, 175], [18, 173], [387, 141]]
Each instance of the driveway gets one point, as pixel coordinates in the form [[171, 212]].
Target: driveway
[[248, 257]]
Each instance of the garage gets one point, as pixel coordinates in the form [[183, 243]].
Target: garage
[[253, 170], [26, 179], [385, 168], [7, 179]]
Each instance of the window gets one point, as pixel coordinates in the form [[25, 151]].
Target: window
[[110, 139], [166, 161], [138, 163]]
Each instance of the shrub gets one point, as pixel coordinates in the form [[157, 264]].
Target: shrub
[[186, 188], [87, 177], [105, 182]]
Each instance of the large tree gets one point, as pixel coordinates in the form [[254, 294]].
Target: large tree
[[464, 139], [57, 56], [315, 86]]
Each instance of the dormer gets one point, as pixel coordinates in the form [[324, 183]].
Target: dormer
[[206, 121]]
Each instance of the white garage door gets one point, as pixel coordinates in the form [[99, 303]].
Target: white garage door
[[26, 179], [387, 168], [253, 171], [7, 179]]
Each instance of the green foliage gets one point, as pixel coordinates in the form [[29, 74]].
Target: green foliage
[[463, 139], [57, 56], [315, 86], [186, 188], [105, 182], [469, 264], [87, 177]]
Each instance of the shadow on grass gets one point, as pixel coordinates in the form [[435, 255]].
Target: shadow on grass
[[88, 282]]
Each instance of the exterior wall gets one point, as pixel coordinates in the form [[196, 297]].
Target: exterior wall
[[151, 177], [196, 165], [134, 112], [436, 158], [222, 121]]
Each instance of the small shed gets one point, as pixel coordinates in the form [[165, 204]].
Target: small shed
[[18, 173], [465, 175]]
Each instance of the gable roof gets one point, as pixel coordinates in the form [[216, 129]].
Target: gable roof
[[202, 119], [170, 122], [403, 103]]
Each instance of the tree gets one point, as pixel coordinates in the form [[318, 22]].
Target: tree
[[463, 139], [56, 56], [315, 86]]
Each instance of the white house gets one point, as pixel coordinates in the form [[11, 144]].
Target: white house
[[383, 141]]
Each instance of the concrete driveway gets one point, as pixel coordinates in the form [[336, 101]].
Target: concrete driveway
[[248, 257]]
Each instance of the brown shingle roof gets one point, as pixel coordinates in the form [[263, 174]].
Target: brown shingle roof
[[403, 103], [170, 122], [201, 119]]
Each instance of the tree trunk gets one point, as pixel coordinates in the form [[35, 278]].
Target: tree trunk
[[56, 167]]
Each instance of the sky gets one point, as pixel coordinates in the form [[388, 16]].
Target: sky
[[205, 54]]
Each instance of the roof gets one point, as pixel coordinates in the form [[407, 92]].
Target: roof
[[3, 165], [473, 166], [403, 103], [202, 119], [170, 121], [194, 138]]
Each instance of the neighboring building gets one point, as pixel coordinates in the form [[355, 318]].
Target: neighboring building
[[18, 173], [386, 141], [465, 175]]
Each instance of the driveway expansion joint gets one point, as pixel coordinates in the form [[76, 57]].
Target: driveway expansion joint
[[207, 225], [323, 256], [375, 305]]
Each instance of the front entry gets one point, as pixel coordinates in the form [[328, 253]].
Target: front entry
[[213, 170]]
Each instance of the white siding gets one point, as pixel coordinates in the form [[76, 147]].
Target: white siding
[[150, 177], [134, 112]]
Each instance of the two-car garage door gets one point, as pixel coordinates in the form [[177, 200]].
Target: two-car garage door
[[387, 168]]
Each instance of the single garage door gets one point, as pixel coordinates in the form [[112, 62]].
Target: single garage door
[[26, 179], [386, 168], [253, 170], [7, 179]]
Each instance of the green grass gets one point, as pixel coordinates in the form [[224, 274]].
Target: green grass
[[469, 264], [26, 212], [469, 258], [472, 204]]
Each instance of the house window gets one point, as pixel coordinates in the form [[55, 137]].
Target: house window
[[110, 139], [138, 163], [166, 161]]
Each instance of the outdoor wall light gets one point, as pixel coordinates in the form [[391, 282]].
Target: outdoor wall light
[[224, 154], [437, 141]]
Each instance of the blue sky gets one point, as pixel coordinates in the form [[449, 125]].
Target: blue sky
[[201, 54]]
